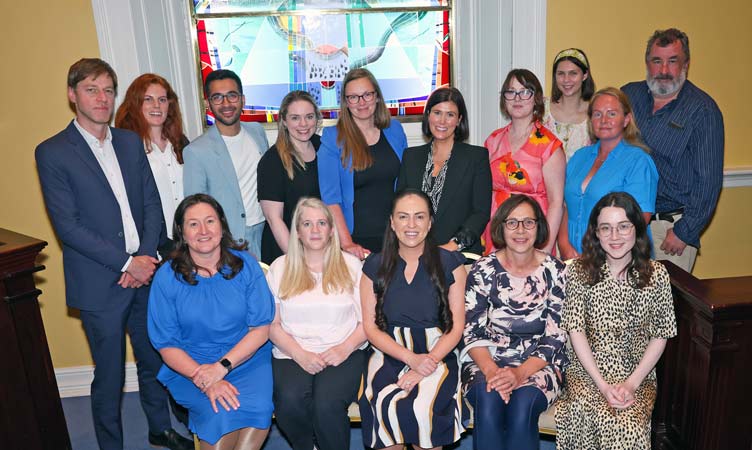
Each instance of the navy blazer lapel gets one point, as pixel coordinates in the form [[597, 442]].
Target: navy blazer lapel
[[83, 151], [122, 158], [456, 172]]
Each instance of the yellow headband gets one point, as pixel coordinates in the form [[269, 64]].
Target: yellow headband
[[573, 53]]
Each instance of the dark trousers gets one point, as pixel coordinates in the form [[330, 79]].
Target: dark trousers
[[105, 331], [502, 426], [313, 408]]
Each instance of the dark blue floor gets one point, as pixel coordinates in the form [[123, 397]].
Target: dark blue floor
[[81, 430]]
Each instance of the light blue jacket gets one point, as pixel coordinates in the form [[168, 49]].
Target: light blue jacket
[[335, 181], [208, 169]]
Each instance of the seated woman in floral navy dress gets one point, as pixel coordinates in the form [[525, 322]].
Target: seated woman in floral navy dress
[[513, 350]]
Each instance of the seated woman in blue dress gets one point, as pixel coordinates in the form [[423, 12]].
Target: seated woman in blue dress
[[413, 315], [618, 161], [209, 315], [513, 354], [359, 162]]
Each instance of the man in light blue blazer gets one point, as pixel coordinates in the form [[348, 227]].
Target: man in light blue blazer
[[223, 161]]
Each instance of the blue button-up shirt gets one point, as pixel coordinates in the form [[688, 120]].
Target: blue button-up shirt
[[687, 140]]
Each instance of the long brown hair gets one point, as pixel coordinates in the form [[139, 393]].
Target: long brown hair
[[349, 136], [285, 147], [130, 116]]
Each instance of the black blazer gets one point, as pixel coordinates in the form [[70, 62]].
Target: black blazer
[[466, 199]]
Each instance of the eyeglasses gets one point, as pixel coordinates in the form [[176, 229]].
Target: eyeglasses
[[218, 99], [622, 228], [527, 223], [524, 94], [366, 96]]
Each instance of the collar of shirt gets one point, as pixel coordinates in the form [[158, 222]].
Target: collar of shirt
[[90, 139]]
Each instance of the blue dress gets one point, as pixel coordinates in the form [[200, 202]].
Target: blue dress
[[627, 168], [206, 321]]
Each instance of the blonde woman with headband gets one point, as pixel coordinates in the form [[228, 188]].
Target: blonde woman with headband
[[288, 171], [317, 332], [571, 91]]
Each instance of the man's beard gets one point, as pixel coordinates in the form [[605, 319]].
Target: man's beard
[[666, 85]]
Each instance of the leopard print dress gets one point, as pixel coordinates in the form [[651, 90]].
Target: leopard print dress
[[619, 321]]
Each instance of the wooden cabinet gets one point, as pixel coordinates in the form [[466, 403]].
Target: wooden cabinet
[[705, 376], [31, 414]]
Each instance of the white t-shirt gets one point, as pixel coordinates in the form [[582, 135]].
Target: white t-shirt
[[168, 174], [245, 156], [317, 321]]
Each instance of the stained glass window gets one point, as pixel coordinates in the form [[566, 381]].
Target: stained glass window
[[283, 45]]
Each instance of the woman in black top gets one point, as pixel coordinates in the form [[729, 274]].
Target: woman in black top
[[288, 170], [454, 174]]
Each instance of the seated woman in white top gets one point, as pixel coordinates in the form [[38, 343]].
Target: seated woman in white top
[[317, 332]]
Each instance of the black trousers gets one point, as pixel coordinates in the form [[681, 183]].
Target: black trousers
[[313, 408], [105, 331]]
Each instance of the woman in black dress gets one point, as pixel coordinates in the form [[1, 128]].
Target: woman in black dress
[[456, 175], [288, 171], [413, 315]]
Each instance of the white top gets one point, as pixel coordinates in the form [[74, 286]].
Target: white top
[[573, 136], [168, 174], [105, 154], [245, 156], [317, 321]]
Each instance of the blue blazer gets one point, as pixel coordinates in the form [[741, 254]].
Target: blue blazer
[[86, 215], [208, 169], [335, 181]]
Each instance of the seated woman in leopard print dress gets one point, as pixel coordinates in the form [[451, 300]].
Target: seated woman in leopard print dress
[[619, 313]]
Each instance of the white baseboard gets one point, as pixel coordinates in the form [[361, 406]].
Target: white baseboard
[[76, 381]]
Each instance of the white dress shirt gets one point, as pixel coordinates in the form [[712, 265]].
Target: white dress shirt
[[168, 174], [104, 152]]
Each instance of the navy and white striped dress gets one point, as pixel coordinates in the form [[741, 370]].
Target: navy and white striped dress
[[430, 415]]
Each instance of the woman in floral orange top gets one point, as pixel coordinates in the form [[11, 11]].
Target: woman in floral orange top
[[526, 158]]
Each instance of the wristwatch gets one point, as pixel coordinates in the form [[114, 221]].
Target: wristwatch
[[226, 364], [460, 247]]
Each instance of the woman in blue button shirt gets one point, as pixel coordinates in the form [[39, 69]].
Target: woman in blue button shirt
[[618, 161]]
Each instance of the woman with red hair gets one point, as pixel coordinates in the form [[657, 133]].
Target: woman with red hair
[[151, 110]]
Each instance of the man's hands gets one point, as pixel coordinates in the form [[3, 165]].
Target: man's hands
[[138, 272], [672, 245]]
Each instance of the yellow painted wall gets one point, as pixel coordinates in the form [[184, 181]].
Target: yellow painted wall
[[614, 36], [44, 39]]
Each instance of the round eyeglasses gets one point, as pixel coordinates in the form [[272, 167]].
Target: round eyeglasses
[[524, 94], [527, 223], [218, 99], [366, 96], [622, 229]]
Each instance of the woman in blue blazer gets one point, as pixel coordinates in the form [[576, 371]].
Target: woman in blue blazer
[[359, 161]]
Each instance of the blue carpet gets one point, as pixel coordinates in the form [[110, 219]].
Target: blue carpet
[[81, 429]]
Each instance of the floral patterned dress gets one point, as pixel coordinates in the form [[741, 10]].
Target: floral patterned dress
[[516, 318], [518, 172], [573, 136]]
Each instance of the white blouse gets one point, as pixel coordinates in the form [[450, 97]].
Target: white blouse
[[317, 321], [168, 174]]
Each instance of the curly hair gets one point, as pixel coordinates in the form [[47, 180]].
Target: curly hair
[[181, 261], [639, 270], [431, 261], [130, 116]]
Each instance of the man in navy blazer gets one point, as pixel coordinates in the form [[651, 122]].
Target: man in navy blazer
[[104, 205]]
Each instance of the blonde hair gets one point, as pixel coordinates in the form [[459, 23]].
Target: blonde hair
[[349, 136], [631, 134], [287, 153], [296, 277]]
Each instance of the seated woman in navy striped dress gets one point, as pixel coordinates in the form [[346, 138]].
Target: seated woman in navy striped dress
[[413, 314]]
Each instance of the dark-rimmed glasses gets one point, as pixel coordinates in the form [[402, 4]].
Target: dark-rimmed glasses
[[523, 94], [366, 96], [527, 223], [218, 99]]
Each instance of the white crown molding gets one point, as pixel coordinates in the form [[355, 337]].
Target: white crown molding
[[76, 381], [737, 177]]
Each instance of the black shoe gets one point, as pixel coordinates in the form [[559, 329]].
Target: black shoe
[[171, 439]]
